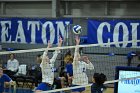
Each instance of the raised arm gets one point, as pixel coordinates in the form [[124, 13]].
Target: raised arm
[[45, 58], [57, 51], [76, 53]]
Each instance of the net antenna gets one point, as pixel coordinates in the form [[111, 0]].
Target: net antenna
[[68, 35]]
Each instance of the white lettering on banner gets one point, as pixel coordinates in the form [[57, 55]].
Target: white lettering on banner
[[134, 33], [6, 26], [32, 25], [132, 82], [61, 28], [52, 32], [100, 31], [116, 33], [20, 36], [43, 35], [126, 33]]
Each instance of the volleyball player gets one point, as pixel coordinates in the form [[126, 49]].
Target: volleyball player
[[97, 85], [80, 64], [47, 66]]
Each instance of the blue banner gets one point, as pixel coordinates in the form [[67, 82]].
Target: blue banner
[[32, 30], [100, 32]]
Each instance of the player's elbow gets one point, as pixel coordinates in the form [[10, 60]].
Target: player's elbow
[[91, 68]]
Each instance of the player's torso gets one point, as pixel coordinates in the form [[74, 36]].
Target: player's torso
[[12, 64], [80, 68], [48, 73], [79, 74]]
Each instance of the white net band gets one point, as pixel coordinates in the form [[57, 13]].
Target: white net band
[[88, 85], [66, 47]]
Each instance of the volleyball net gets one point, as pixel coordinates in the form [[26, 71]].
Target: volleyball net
[[105, 57]]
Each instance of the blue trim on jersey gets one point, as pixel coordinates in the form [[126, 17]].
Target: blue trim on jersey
[[43, 87], [4, 78], [78, 89], [69, 69]]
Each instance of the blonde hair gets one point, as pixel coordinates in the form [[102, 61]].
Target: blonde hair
[[68, 58]]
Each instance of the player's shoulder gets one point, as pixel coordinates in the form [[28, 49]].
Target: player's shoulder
[[15, 60], [9, 60], [5, 75], [82, 63]]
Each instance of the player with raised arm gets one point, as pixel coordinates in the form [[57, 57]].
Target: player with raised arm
[[47, 68], [80, 64]]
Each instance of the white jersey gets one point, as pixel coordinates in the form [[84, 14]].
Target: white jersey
[[79, 71], [12, 65], [47, 68]]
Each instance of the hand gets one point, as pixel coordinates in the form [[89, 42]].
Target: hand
[[77, 39], [60, 41], [13, 83], [70, 78], [49, 44], [7, 83]]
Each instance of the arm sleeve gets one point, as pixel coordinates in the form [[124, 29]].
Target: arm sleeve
[[69, 70], [43, 63], [53, 59], [89, 66], [7, 78]]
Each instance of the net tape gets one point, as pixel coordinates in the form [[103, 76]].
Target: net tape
[[67, 47], [88, 85]]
